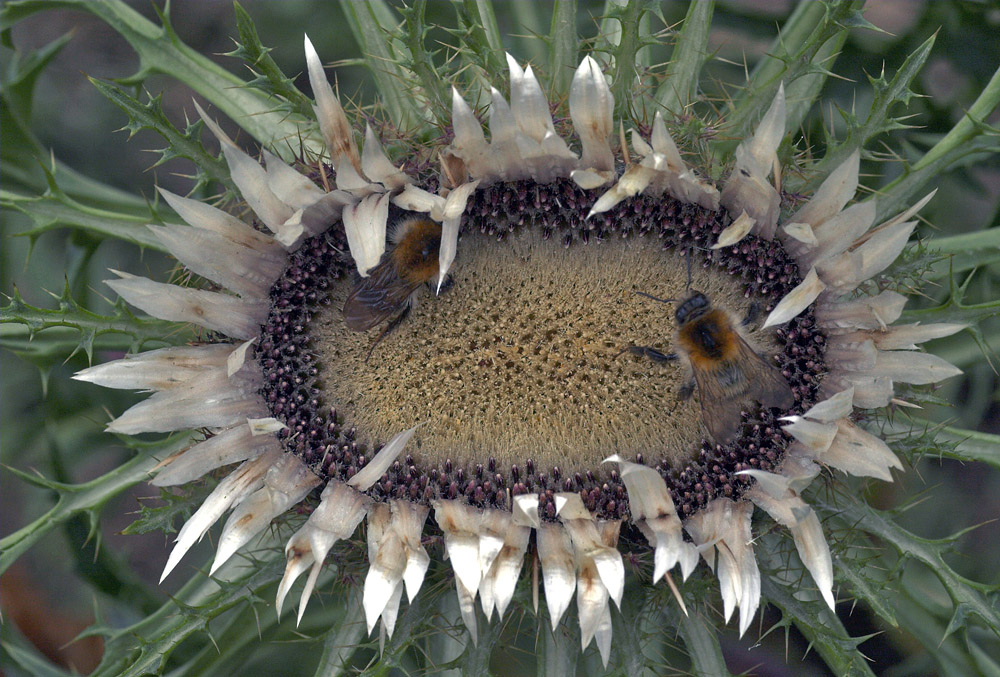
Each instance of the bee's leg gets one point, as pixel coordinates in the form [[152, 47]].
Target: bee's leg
[[686, 391], [753, 312], [651, 353], [389, 328]]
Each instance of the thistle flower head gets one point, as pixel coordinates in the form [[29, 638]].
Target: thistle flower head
[[471, 359]]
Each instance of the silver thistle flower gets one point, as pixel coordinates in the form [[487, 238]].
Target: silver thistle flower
[[569, 524]]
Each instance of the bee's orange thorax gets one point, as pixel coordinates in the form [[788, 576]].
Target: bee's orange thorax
[[415, 255], [709, 340]]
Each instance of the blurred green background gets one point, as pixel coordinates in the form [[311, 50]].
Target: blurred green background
[[54, 426]]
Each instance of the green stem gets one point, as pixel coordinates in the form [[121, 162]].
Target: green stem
[[563, 47], [343, 639], [422, 63], [558, 650]]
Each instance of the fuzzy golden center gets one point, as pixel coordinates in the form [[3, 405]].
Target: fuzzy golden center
[[526, 356]]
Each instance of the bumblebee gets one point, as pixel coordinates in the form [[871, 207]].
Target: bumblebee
[[729, 374], [389, 288]]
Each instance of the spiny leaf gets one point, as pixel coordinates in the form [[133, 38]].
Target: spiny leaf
[[791, 56], [481, 53], [813, 618], [868, 583], [74, 500], [953, 655], [421, 62], [104, 569], [144, 647], [969, 597], [186, 144], [89, 324], [962, 253], [165, 513], [269, 77], [55, 209], [21, 75], [161, 51], [631, 19], [921, 437], [478, 27], [888, 94], [970, 135], [953, 309]]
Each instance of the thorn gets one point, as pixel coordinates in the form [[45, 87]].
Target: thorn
[[676, 593], [624, 145]]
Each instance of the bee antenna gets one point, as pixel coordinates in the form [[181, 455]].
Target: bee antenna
[[655, 298]]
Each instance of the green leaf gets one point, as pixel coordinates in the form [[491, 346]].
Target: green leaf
[[144, 647], [819, 625], [801, 95], [76, 499], [483, 62], [55, 209], [969, 597], [792, 55], [25, 655], [702, 642], [951, 655], [269, 76], [161, 51], [950, 442], [89, 324], [478, 19], [186, 144], [21, 75], [22, 156], [526, 39], [557, 650], [376, 31], [680, 88], [971, 135], [962, 253], [888, 94], [422, 62], [954, 309], [625, 30], [868, 582], [343, 639], [168, 510]]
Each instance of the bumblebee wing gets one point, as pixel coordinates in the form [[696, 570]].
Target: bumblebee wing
[[729, 386], [722, 391], [376, 298], [764, 380]]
